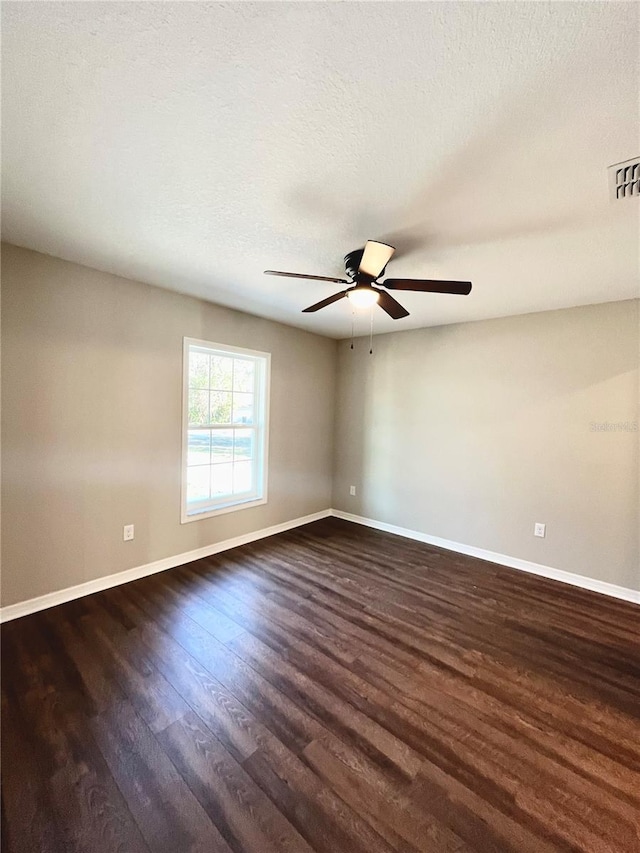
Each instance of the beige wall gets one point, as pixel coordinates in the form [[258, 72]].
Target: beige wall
[[91, 385], [470, 432], [474, 432]]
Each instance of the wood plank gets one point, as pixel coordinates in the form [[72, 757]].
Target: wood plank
[[151, 694], [166, 811], [331, 688], [247, 818], [71, 799], [237, 703], [369, 792], [319, 815]]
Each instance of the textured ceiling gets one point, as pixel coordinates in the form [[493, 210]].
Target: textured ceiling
[[192, 145]]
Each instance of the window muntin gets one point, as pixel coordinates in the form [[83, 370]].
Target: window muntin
[[225, 428]]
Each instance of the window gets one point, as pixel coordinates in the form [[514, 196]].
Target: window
[[225, 420]]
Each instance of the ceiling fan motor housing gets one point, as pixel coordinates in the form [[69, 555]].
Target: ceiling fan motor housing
[[352, 262]]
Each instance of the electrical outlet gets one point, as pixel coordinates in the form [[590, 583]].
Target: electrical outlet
[[127, 532], [539, 530], [352, 491]]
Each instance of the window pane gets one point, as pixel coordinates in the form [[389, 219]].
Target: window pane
[[222, 445], [242, 477], [198, 407], [221, 480], [243, 373], [221, 373], [243, 408], [226, 395], [220, 407], [199, 447], [243, 444], [198, 483], [198, 370]]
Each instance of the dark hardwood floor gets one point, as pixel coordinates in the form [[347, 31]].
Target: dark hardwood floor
[[329, 689]]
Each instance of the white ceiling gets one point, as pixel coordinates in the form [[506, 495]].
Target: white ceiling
[[192, 145]]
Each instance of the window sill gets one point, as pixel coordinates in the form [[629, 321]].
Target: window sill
[[221, 510]]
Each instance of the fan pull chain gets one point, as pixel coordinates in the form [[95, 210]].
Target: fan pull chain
[[353, 320], [371, 334]]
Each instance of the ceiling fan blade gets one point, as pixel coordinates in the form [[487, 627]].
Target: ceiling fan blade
[[375, 258], [391, 306], [325, 302], [463, 288], [302, 275]]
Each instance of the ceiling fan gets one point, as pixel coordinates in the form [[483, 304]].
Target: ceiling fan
[[364, 267]]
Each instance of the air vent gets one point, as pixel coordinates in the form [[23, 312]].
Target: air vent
[[624, 179]]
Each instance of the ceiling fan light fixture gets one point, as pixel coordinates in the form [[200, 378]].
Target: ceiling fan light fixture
[[363, 297], [375, 258]]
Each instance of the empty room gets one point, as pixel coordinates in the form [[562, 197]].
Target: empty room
[[320, 455]]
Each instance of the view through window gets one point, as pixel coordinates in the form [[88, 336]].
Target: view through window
[[226, 404]]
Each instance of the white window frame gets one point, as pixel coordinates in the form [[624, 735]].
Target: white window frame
[[229, 503]]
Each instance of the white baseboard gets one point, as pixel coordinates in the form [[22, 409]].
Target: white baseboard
[[582, 581], [51, 599]]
